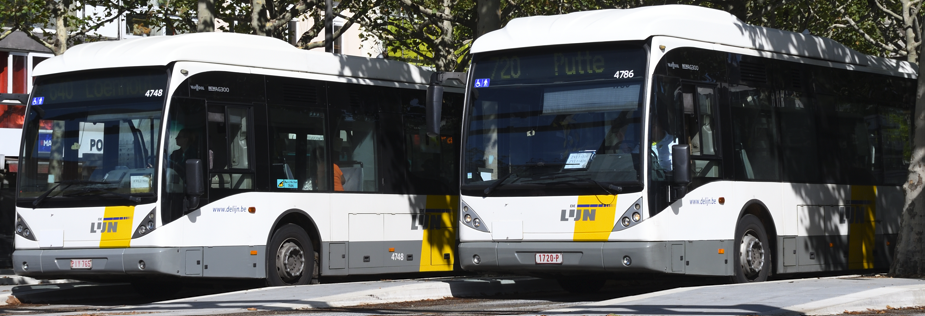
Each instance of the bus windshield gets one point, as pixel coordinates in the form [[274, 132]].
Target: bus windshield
[[559, 121], [90, 139]]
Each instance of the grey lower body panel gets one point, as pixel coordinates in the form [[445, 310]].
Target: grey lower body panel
[[833, 253], [127, 263], [373, 257], [588, 257]]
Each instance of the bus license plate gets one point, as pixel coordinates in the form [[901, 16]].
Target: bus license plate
[[548, 258], [81, 263]]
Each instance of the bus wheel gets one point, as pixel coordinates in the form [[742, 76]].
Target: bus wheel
[[581, 285], [292, 261], [752, 255]]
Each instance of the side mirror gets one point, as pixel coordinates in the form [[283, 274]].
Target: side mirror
[[435, 98], [194, 187], [681, 164], [433, 109]]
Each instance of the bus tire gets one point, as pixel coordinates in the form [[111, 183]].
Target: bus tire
[[752, 255], [290, 257], [581, 285]]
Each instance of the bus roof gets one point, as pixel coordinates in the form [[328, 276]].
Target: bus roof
[[680, 21], [226, 48]]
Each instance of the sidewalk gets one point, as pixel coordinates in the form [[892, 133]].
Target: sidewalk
[[822, 296]]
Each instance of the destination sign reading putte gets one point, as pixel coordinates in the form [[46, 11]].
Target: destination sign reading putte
[[545, 66]]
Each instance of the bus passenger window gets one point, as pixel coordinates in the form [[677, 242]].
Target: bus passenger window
[[354, 150], [229, 144], [755, 134], [295, 132]]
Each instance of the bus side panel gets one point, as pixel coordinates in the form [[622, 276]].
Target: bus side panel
[[391, 233], [890, 201]]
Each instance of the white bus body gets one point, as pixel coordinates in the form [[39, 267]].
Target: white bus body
[[301, 156], [797, 148]]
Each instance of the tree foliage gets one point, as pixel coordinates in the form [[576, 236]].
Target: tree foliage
[[272, 17], [60, 22]]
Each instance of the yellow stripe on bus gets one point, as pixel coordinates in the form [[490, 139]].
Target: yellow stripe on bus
[[861, 227], [594, 217], [439, 241], [117, 227]]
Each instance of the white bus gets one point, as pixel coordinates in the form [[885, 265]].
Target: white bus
[[215, 155], [678, 140]]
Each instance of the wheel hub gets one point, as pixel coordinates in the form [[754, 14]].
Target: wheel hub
[[290, 260], [752, 254]]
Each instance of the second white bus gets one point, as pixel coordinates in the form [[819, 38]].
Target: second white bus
[[678, 140]]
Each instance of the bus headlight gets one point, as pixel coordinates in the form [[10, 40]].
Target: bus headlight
[[147, 225], [22, 229], [631, 217], [470, 218]]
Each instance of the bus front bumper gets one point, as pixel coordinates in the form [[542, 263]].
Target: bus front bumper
[[577, 257], [114, 263]]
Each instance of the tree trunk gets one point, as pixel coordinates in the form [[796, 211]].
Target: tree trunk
[[908, 22], [259, 17], [206, 15], [446, 50], [909, 257], [60, 31], [489, 16]]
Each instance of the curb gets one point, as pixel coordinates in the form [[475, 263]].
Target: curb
[[406, 291], [882, 298], [431, 290], [7, 277]]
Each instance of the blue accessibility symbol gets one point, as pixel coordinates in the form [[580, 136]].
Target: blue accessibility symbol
[[482, 83], [38, 100]]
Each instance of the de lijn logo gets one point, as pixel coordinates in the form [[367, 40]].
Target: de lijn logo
[[581, 212], [107, 225]]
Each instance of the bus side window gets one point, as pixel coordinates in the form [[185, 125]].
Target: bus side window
[[230, 142], [754, 122], [295, 133], [799, 148], [354, 151], [185, 131], [701, 129]]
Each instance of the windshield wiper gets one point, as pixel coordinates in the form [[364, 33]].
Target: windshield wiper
[[610, 186], [66, 183], [495, 185], [41, 198], [102, 191]]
